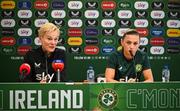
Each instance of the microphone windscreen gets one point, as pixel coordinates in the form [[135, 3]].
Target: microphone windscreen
[[58, 64], [25, 69]]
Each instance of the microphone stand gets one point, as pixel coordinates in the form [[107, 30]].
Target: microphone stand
[[133, 59], [58, 75]]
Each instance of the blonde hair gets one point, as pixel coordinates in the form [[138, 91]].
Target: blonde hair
[[47, 27]]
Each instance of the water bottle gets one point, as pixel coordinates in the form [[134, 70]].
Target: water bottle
[[90, 74], [165, 74]]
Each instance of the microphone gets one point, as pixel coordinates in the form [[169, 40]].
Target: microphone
[[133, 58], [58, 66], [24, 70]]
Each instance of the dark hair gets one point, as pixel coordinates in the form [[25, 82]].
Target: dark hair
[[130, 32]]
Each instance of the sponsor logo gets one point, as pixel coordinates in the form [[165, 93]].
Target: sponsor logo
[[157, 32], [91, 41], [91, 5], [157, 5], [141, 14], [124, 14], [39, 4], [108, 49], [173, 5], [75, 41], [61, 41], [75, 23], [143, 48], [143, 41], [125, 5], [108, 23], [91, 23], [24, 14], [91, 14], [157, 23], [74, 32], [24, 31], [157, 41], [59, 22], [173, 32], [125, 23], [157, 14], [91, 50], [108, 5], [108, 14], [75, 14], [8, 23], [40, 22], [75, 50], [173, 23], [142, 5], [7, 41], [8, 50], [75, 5], [138, 67], [7, 32], [24, 22], [41, 13], [58, 14], [8, 4], [24, 5], [108, 98], [141, 23], [37, 41], [173, 50], [7, 13], [174, 14], [173, 41], [58, 4], [91, 32], [22, 50], [108, 41], [121, 31], [24, 41], [108, 32], [142, 31], [157, 50]]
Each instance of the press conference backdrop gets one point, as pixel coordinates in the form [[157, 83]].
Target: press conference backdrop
[[90, 31]]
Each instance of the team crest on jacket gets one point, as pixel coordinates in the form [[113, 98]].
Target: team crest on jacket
[[108, 98], [138, 67]]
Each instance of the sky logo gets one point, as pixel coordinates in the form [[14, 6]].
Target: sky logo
[[173, 23], [40, 22], [143, 41], [8, 23], [108, 23], [157, 14], [24, 14], [24, 31], [58, 14], [91, 14], [141, 5], [141, 23], [125, 14], [157, 50], [75, 5], [75, 23]]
